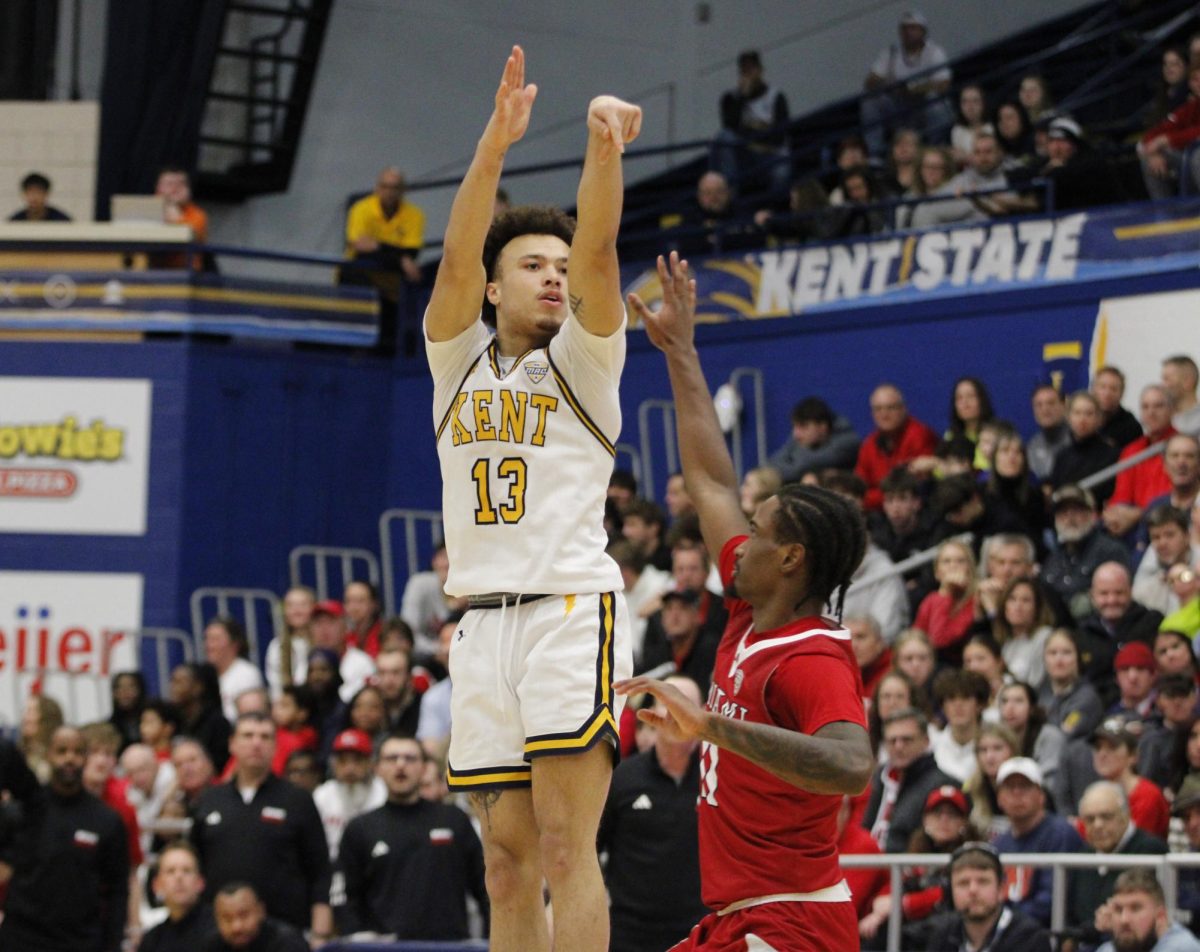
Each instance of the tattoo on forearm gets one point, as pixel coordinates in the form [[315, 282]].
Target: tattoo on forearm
[[816, 764], [483, 801], [576, 303]]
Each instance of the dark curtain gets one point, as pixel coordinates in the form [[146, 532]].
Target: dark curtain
[[157, 65]]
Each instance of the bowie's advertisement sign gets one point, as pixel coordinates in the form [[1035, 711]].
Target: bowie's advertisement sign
[[74, 455]]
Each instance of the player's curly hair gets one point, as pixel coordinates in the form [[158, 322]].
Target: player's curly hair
[[522, 220], [831, 528]]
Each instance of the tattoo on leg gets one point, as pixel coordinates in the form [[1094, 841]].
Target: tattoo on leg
[[483, 802]]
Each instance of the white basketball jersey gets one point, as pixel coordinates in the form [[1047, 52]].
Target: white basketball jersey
[[526, 458]]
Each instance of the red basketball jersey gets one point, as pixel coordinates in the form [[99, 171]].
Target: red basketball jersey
[[759, 835]]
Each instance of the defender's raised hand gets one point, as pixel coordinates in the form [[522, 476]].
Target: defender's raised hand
[[514, 103], [675, 322], [617, 122]]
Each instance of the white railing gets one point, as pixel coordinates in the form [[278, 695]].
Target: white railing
[[412, 519], [322, 557]]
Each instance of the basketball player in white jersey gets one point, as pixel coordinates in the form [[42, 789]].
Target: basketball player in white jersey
[[526, 421]]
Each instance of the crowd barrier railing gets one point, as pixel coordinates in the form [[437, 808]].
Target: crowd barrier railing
[[253, 605], [411, 519], [1166, 866], [322, 557], [630, 452]]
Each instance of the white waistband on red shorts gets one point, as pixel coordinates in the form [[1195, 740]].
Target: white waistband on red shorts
[[838, 892]]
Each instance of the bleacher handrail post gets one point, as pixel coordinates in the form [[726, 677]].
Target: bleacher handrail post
[[248, 597], [667, 409], [410, 517], [321, 554]]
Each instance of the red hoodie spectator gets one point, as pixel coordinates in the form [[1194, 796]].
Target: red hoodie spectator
[[898, 438]]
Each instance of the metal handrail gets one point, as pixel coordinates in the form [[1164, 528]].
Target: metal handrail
[[248, 598], [670, 446], [410, 518], [1103, 475], [755, 376], [322, 555], [1167, 864], [635, 460]]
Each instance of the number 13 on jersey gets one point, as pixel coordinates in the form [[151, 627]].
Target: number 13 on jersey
[[511, 474]]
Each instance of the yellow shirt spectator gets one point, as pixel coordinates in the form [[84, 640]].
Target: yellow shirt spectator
[[384, 218]]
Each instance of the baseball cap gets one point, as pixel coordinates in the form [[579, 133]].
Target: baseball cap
[[914, 18], [1117, 729], [1135, 654], [1072, 495], [352, 741], [1188, 796], [688, 596], [331, 606], [1019, 767], [947, 794], [1064, 128]]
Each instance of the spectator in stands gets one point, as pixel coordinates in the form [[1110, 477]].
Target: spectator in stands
[[872, 653], [1138, 918], [902, 528], [1170, 545], [195, 690], [676, 497], [1050, 415], [354, 789], [752, 143], [1081, 547], [1114, 746], [329, 631], [180, 887], [964, 507], [915, 657], [1006, 556], [972, 118], [648, 830], [425, 604], [900, 173], [981, 918], [897, 439], [226, 649], [70, 868], [1180, 377], [294, 644], [1118, 426], [294, 713], [261, 830], [1071, 702], [433, 730], [900, 787], [895, 692], [643, 586], [856, 215], [758, 485], [410, 864], [1081, 177], [947, 614], [1014, 133], [962, 696], [1186, 619], [364, 620], [1186, 807], [401, 701], [1022, 628], [1167, 729], [243, 924], [970, 408], [385, 229], [986, 172], [708, 224], [819, 440], [1011, 487], [1022, 796], [128, 699], [1181, 463], [934, 171], [1146, 480], [1172, 91], [644, 526], [982, 655], [1034, 96], [1115, 621], [1107, 829], [1166, 152], [910, 81], [326, 683], [148, 784], [686, 642], [1088, 452], [35, 192], [194, 774], [174, 185], [993, 747], [40, 718], [1038, 739], [622, 489]]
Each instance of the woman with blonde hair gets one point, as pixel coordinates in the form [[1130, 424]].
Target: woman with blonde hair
[[913, 654], [41, 717], [948, 613], [1021, 628], [759, 484], [996, 744]]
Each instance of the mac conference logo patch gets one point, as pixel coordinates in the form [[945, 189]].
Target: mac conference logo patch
[[536, 370]]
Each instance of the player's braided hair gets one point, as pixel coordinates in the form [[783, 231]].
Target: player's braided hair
[[523, 220], [831, 528]]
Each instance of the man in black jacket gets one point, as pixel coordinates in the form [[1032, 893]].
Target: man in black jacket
[[70, 884], [981, 918], [189, 923], [410, 864], [1116, 620], [243, 925], [1081, 549], [900, 786], [264, 831]]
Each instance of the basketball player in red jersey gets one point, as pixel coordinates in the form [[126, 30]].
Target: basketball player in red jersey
[[783, 734]]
